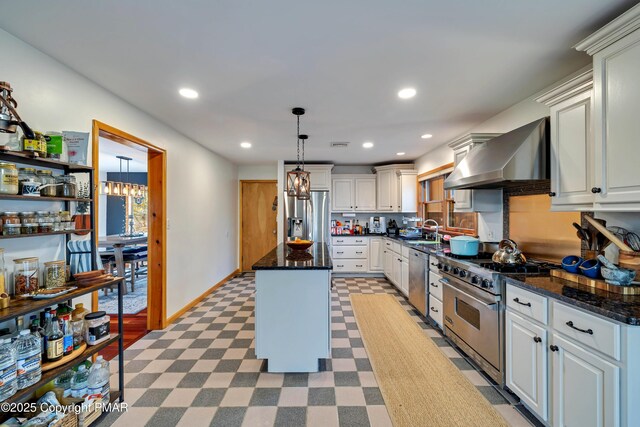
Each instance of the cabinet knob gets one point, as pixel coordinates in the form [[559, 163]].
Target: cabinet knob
[[595, 190], [356, 207], [553, 348], [537, 339], [552, 194]]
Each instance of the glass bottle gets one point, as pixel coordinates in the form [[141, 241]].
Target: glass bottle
[[55, 344], [3, 274]]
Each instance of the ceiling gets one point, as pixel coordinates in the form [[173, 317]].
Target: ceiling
[[253, 60], [108, 161]]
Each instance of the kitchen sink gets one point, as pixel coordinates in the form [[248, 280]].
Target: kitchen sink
[[423, 242]]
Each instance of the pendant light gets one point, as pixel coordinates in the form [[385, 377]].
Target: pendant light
[[298, 180]]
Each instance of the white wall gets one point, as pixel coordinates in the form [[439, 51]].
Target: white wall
[[269, 171], [201, 185]]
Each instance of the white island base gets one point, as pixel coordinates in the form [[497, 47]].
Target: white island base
[[293, 318]]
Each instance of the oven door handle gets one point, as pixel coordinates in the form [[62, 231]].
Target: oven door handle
[[491, 304]]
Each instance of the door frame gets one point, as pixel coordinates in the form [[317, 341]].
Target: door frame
[[157, 232], [240, 191]]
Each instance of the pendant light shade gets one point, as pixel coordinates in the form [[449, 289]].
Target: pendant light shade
[[299, 180]]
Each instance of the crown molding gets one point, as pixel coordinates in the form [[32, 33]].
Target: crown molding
[[623, 25], [581, 83], [471, 138]]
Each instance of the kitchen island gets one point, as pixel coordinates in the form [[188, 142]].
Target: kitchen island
[[293, 308]]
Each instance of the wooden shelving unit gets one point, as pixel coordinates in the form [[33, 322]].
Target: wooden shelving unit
[[23, 306]]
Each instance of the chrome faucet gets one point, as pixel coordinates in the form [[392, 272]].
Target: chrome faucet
[[437, 227]]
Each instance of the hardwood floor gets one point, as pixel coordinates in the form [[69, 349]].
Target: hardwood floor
[[135, 327]]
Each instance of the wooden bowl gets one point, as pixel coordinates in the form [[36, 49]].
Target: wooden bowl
[[299, 245], [630, 260]]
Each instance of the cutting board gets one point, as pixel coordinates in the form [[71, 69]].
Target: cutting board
[[596, 283]]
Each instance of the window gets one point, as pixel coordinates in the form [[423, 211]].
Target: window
[[438, 204]]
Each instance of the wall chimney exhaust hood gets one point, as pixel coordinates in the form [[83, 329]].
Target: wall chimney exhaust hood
[[512, 159]]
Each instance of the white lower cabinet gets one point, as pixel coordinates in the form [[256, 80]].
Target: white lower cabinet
[[570, 373], [526, 362], [397, 270], [435, 310], [404, 282], [585, 387], [435, 295], [376, 254], [388, 262]]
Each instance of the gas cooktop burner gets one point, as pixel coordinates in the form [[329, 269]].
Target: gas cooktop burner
[[480, 256], [528, 268]]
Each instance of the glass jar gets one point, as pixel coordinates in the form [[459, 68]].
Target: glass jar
[[10, 218], [49, 183], [42, 216], [11, 229], [26, 272], [65, 216], [27, 217], [29, 228], [45, 227], [67, 186], [8, 178], [3, 274], [38, 145], [28, 182], [54, 274], [55, 219]]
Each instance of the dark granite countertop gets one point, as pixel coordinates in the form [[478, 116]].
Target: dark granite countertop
[[358, 235], [623, 308], [427, 249], [317, 257]]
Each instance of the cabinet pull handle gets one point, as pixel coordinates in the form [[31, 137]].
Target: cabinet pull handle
[[339, 241], [595, 190], [552, 194], [517, 300], [340, 252], [358, 252], [339, 265], [358, 265], [434, 310], [434, 285], [537, 339], [553, 348], [399, 260], [586, 331]]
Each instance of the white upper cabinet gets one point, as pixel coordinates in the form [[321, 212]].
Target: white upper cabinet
[[397, 188], [320, 175], [474, 200], [387, 190], [365, 197], [353, 193], [342, 195], [616, 102], [572, 143]]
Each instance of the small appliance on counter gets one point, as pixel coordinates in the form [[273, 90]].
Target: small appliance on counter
[[392, 228], [377, 225]]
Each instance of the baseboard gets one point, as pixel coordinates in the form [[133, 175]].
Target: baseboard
[[192, 304]]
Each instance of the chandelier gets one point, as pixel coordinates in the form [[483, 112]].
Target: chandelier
[[298, 180], [123, 188]]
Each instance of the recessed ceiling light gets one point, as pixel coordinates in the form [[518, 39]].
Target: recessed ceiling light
[[426, 136], [407, 93], [367, 144], [400, 153], [188, 93], [245, 144]]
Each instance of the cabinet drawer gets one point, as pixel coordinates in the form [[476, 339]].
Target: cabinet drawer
[[349, 241], [405, 251], [433, 264], [435, 287], [388, 243], [396, 247], [524, 302], [360, 252], [587, 329], [350, 266], [435, 310]]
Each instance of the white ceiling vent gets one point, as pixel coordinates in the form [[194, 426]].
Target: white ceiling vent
[[339, 144]]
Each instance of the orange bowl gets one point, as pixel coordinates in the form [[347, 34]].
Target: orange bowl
[[299, 246]]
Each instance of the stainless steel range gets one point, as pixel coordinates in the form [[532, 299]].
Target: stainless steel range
[[473, 307]]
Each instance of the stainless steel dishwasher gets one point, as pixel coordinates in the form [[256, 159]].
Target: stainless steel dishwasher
[[418, 264]]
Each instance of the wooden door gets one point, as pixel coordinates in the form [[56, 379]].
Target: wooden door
[[526, 362], [258, 226]]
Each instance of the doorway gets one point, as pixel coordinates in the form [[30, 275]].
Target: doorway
[[258, 223], [154, 231]]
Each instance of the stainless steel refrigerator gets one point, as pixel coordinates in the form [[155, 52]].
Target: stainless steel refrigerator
[[308, 219]]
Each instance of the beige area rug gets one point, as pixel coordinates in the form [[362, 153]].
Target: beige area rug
[[420, 385]]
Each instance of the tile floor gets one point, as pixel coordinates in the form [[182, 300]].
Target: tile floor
[[202, 370]]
